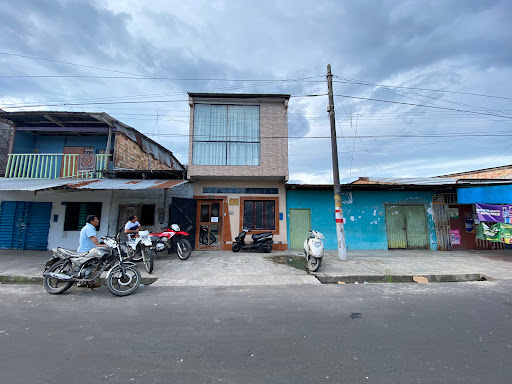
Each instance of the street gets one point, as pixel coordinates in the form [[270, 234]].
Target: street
[[365, 333]]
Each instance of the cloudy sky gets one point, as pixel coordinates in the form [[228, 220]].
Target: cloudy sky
[[422, 88]]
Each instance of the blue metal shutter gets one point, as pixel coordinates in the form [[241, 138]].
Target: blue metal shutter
[[37, 226], [7, 220], [24, 225]]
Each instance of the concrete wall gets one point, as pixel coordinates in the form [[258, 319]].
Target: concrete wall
[[234, 210], [159, 197], [273, 147], [127, 154], [365, 228], [498, 194], [57, 237], [6, 133]]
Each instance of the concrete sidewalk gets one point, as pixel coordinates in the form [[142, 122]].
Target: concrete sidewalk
[[225, 268]]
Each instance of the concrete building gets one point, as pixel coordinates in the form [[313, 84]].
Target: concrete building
[[238, 162], [62, 166]]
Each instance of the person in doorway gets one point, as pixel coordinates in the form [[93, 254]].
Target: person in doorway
[[88, 241], [132, 227]]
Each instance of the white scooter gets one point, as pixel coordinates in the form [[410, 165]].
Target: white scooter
[[314, 251], [139, 249]]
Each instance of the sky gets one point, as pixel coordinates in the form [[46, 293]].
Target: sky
[[421, 88]]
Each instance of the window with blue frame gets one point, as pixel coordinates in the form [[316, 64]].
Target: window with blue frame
[[226, 135]]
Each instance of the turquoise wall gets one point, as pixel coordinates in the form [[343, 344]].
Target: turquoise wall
[[365, 227], [497, 194]]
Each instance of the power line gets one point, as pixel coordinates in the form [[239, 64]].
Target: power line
[[425, 106], [361, 82]]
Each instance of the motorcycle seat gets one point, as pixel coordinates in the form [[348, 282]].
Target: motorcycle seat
[[258, 236], [70, 253]]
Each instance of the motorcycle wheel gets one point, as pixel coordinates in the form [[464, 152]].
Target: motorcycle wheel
[[235, 247], [268, 248], [147, 258], [119, 286], [55, 286], [184, 249], [313, 264], [208, 240]]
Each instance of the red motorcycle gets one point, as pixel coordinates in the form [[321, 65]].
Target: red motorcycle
[[170, 239]]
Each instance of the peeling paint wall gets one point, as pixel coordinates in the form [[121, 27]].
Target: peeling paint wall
[[365, 227]]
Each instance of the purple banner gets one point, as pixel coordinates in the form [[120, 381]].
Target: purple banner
[[496, 213]]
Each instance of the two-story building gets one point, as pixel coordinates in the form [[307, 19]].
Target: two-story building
[[238, 163], [59, 167]]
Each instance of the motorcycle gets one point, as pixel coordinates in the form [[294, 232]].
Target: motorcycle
[[204, 237], [66, 267], [138, 248], [171, 238], [314, 251], [260, 242]]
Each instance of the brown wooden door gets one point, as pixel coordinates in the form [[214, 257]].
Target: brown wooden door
[[209, 228], [70, 168]]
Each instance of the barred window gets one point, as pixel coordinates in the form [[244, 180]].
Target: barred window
[[260, 214]]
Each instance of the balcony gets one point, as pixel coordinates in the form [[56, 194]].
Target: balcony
[[56, 165]]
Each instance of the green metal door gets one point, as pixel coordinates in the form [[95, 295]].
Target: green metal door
[[300, 225], [406, 226]]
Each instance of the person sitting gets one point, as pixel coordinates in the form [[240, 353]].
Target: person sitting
[[88, 241], [132, 226]]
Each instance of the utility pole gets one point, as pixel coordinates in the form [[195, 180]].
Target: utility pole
[[340, 230]]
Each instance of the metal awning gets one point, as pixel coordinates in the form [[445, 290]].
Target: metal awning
[[117, 184], [15, 184]]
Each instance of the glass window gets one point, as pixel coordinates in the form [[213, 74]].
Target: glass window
[[226, 135], [76, 213], [260, 214]]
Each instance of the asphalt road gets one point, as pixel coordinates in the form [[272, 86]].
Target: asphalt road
[[371, 333]]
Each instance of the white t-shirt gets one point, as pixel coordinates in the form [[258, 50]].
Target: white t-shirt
[[132, 226]]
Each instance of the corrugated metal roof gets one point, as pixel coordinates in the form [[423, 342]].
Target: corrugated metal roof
[[124, 184], [408, 181], [237, 95], [14, 184]]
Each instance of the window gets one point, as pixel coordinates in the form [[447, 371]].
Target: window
[[260, 214], [226, 135], [147, 215], [76, 213]]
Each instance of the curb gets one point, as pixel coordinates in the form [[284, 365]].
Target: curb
[[361, 279], [7, 279]]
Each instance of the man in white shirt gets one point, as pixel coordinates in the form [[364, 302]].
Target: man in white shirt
[[132, 226]]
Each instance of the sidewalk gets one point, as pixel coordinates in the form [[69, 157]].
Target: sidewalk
[[225, 268]]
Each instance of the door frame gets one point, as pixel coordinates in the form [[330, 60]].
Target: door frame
[[220, 223]]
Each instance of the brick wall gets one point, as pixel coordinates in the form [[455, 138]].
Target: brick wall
[[128, 154], [273, 147]]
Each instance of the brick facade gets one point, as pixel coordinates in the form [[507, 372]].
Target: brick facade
[[129, 155], [273, 146], [504, 172]]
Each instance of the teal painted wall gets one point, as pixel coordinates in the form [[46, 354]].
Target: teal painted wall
[[365, 228], [496, 194]]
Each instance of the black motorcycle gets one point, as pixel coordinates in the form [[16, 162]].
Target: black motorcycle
[[260, 242], [66, 267]]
